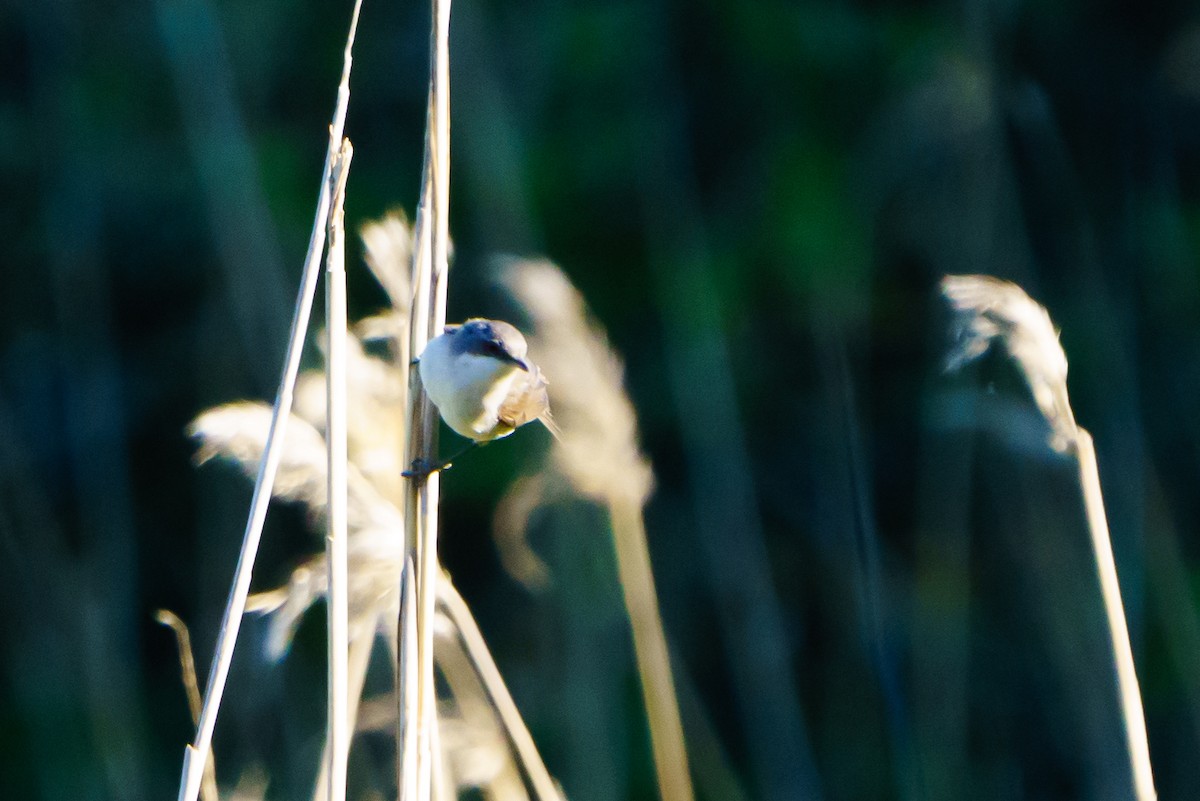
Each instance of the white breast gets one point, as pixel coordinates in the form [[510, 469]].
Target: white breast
[[467, 389]]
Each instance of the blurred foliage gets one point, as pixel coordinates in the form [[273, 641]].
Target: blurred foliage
[[756, 197]]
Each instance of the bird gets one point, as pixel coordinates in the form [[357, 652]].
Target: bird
[[483, 384]]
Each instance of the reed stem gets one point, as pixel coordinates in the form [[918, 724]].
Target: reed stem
[[1106, 568], [196, 753], [338, 603]]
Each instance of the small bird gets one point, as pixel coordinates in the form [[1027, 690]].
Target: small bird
[[478, 376]]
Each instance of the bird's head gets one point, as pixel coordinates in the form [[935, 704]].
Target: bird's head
[[490, 339]]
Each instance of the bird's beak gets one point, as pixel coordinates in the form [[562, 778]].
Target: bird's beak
[[513, 360]]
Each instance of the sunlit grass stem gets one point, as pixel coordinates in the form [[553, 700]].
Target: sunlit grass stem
[[598, 452], [338, 603], [191, 687], [988, 310], [650, 649], [456, 609], [196, 753], [408, 685], [1110, 589], [426, 320]]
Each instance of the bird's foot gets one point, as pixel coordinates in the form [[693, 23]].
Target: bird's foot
[[421, 469]]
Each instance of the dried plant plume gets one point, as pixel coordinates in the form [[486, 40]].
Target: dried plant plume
[[991, 312], [598, 454], [377, 390], [598, 450]]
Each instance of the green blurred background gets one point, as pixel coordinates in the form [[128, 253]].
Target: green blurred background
[[870, 594]]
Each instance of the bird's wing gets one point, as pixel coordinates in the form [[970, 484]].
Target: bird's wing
[[526, 402]]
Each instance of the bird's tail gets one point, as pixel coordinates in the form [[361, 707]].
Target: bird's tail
[[551, 426]]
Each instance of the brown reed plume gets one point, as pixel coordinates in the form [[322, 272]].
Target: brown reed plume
[[598, 454], [989, 312]]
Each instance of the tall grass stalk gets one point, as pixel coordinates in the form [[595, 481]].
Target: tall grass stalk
[[191, 687], [475, 748], [426, 320], [196, 753], [486, 745], [1110, 588], [990, 310], [421, 503], [361, 643], [440, 786], [337, 559], [598, 453], [408, 684], [459, 614], [650, 648]]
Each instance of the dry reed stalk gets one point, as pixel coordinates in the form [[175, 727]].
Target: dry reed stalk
[[336, 549], [440, 787], [989, 310], [421, 506], [459, 614], [408, 684], [236, 431], [475, 749], [382, 588], [426, 320], [598, 452], [191, 687], [359, 659], [196, 753], [650, 648], [1118, 630]]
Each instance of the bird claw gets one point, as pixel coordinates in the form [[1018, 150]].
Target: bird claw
[[421, 469]]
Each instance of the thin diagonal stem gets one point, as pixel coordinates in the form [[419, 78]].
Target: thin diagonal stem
[[459, 614], [196, 754], [650, 649], [1110, 588]]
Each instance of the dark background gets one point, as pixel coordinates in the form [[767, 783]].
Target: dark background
[[868, 594]]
